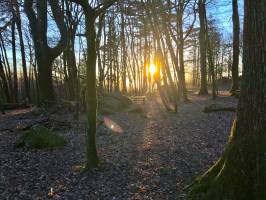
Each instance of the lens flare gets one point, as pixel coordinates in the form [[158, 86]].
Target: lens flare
[[112, 125]]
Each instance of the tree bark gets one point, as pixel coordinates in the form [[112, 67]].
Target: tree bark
[[124, 51], [236, 51], [241, 171], [91, 96], [91, 14], [3, 80], [15, 77], [203, 48], [22, 48], [210, 60], [6, 63], [44, 54], [181, 51]]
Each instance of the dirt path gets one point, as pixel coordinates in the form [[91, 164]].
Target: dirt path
[[151, 156]]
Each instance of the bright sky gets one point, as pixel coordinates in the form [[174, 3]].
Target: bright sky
[[221, 10]]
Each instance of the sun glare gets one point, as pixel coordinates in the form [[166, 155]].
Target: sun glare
[[152, 69]]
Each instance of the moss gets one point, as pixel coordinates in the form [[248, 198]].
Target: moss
[[235, 175], [134, 109], [117, 102], [40, 137]]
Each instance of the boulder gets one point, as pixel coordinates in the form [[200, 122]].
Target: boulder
[[40, 137]]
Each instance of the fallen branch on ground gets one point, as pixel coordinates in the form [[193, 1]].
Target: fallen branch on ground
[[217, 108]]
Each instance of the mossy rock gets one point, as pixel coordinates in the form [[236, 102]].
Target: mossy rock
[[40, 137], [114, 103], [134, 109]]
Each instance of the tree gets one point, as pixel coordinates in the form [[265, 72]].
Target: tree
[[180, 23], [17, 19], [72, 18], [123, 49], [44, 54], [91, 14], [203, 47], [14, 55], [236, 50], [210, 59], [3, 82], [241, 171]]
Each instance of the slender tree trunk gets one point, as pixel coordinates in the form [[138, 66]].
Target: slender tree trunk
[[22, 49], [210, 60], [203, 48], [146, 52], [3, 80], [124, 51], [236, 51], [6, 62], [181, 54], [91, 96], [241, 171], [15, 77], [71, 65]]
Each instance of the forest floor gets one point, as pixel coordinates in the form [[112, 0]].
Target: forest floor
[[153, 155]]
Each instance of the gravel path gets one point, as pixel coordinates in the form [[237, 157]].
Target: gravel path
[[143, 156]]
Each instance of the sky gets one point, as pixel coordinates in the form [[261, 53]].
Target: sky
[[221, 10]]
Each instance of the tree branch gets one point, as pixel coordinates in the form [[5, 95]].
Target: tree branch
[[59, 19]]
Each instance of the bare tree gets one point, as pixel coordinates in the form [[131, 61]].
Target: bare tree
[[44, 54]]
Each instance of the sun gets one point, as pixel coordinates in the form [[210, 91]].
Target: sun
[[152, 69]]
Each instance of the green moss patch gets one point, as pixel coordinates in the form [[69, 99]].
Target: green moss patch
[[40, 137]]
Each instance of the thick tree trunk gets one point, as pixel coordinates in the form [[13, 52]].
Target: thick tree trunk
[[236, 32], [45, 55], [45, 83], [241, 171], [203, 48]]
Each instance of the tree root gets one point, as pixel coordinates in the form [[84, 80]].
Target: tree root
[[234, 176]]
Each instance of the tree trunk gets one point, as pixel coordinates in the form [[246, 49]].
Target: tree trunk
[[91, 96], [71, 66], [15, 77], [6, 63], [146, 57], [236, 50], [203, 48], [3, 80], [241, 171], [22, 49], [181, 53], [124, 51], [45, 83], [210, 60], [44, 54]]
